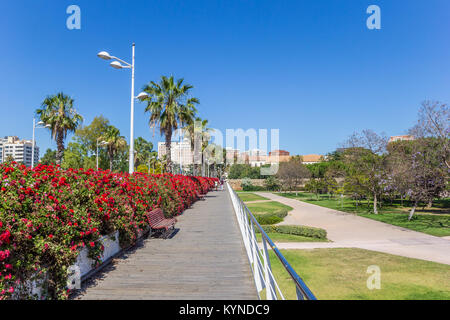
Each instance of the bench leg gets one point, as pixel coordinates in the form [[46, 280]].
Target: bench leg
[[169, 232]]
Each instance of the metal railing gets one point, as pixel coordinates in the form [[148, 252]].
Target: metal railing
[[259, 258]]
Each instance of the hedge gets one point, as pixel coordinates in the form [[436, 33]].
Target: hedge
[[305, 231], [47, 214]]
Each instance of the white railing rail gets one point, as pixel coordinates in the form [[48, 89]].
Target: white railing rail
[[259, 258]]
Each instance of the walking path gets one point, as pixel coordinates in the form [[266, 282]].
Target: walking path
[[204, 260], [349, 230]]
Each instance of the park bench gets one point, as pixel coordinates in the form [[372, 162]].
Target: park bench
[[200, 196], [158, 221]]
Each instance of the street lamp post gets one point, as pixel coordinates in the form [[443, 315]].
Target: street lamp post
[[181, 165], [39, 125], [117, 65], [102, 144]]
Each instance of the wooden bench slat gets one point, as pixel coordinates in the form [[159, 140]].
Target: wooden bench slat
[[157, 220]]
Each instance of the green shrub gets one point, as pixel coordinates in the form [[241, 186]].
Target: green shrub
[[272, 184], [305, 231], [255, 188], [268, 219], [246, 184]]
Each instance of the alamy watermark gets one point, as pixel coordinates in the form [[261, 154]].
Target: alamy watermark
[[374, 280], [73, 22], [374, 20], [235, 146]]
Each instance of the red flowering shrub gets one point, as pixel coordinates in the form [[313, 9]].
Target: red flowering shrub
[[47, 214]]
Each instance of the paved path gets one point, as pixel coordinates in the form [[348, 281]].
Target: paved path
[[348, 230], [205, 260]]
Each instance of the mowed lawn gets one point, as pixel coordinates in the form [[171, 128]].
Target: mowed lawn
[[282, 237], [268, 207], [250, 197], [435, 222], [341, 274]]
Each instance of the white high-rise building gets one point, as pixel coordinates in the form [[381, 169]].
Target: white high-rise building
[[186, 152], [19, 150]]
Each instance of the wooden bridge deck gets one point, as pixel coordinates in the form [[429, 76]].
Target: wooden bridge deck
[[205, 259]]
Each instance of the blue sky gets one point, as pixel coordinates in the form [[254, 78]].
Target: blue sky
[[310, 68]]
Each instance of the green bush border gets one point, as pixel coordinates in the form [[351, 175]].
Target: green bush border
[[271, 218], [305, 231]]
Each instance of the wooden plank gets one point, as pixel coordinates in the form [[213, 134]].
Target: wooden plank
[[204, 260]]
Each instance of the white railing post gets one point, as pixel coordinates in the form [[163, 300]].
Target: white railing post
[[270, 286], [256, 262], [262, 269]]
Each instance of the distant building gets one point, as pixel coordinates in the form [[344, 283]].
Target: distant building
[[312, 158], [232, 155], [402, 138], [279, 153], [186, 153], [278, 156], [19, 150]]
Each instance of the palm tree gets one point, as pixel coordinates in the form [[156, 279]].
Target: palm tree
[[198, 130], [170, 108], [58, 113], [152, 161], [143, 150], [115, 143]]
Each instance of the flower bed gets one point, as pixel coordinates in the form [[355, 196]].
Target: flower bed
[[48, 215]]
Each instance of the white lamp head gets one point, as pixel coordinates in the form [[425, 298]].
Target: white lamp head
[[40, 123], [116, 65], [142, 96], [104, 55]]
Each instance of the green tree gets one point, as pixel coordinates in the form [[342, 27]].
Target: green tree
[[58, 112], [76, 156], [115, 144], [170, 108], [88, 135], [142, 168], [49, 157], [9, 158], [272, 183], [367, 162], [143, 150]]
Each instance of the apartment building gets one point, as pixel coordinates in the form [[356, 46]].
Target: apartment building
[[19, 150], [177, 149], [402, 138], [312, 158]]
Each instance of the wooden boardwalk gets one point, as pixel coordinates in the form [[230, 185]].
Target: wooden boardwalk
[[205, 259]]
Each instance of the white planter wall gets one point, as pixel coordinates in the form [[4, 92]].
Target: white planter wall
[[84, 264], [112, 247]]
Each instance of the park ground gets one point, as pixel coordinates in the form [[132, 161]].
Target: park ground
[[334, 272]]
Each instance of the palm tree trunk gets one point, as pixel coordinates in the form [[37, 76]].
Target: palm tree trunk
[[168, 149], [111, 157], [60, 145], [375, 204], [413, 209]]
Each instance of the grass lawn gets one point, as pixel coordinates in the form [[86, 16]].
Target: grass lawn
[[268, 207], [341, 274], [250, 197], [281, 237], [435, 222], [435, 225]]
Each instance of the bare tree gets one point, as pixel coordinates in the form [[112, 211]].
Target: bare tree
[[434, 121], [291, 174], [366, 158]]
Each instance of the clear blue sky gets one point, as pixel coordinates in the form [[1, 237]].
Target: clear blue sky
[[310, 68]]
